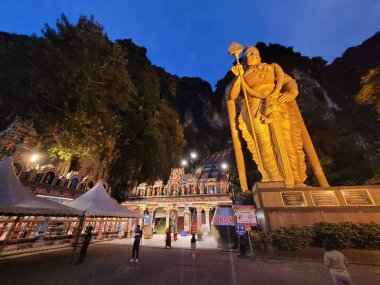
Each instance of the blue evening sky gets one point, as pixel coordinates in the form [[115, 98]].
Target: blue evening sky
[[190, 38]]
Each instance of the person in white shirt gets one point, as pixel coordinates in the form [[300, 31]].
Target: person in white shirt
[[337, 263]]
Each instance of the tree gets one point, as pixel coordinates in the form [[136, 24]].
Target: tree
[[84, 87], [152, 137], [369, 94]]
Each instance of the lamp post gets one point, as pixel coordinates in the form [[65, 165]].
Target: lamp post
[[189, 161], [224, 166], [193, 155], [34, 159]]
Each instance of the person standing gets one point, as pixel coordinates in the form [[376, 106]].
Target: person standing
[[168, 238], [86, 243], [136, 244], [337, 263], [193, 245]]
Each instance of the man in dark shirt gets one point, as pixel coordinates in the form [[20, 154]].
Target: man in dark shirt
[[136, 244], [86, 242]]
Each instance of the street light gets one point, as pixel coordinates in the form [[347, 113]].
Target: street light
[[184, 162], [34, 158], [193, 155], [224, 166]]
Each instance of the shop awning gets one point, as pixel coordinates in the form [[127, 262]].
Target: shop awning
[[96, 202], [15, 200]]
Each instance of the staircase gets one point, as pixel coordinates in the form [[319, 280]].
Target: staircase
[[160, 225], [180, 224], [194, 222]]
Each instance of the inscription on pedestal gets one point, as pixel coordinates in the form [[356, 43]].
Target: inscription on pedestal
[[293, 199], [324, 198], [357, 197]]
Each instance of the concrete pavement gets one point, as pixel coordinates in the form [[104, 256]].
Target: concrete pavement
[[158, 241], [107, 263]]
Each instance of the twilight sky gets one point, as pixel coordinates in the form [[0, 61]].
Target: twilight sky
[[190, 38]]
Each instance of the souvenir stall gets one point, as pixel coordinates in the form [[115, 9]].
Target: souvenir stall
[[108, 218], [28, 221]]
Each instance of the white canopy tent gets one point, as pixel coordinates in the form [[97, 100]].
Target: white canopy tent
[[15, 200], [96, 202]]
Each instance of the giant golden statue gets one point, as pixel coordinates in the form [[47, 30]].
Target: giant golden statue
[[269, 120]]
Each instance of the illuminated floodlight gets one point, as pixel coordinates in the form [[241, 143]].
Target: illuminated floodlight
[[34, 157], [183, 162], [193, 155], [224, 165]]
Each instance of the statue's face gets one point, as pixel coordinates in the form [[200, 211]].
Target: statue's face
[[252, 56]]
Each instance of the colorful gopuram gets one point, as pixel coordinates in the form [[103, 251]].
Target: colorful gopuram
[[187, 201]]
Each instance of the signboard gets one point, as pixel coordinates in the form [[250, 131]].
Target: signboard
[[293, 199], [245, 215], [148, 232], [324, 198], [357, 197], [146, 220], [240, 230], [223, 220]]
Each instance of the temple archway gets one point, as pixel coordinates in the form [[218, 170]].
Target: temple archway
[[49, 177]]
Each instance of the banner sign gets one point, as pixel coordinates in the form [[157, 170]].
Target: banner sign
[[146, 220], [245, 215], [240, 230], [224, 220]]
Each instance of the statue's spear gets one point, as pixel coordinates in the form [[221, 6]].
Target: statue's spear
[[235, 49]]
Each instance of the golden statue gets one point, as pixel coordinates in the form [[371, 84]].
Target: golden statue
[[269, 120]]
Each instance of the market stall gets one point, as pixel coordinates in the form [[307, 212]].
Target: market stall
[[104, 213], [26, 219]]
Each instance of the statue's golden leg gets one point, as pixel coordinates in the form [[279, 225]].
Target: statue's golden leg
[[310, 150], [298, 143], [231, 108], [291, 135], [277, 123], [266, 151]]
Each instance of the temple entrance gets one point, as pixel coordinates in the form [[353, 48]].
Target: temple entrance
[[183, 220]]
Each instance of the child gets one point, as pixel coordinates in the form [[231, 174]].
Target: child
[[193, 245], [337, 263]]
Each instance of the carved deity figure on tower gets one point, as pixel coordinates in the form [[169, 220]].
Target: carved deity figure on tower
[[269, 120]]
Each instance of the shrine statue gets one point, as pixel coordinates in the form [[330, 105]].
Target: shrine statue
[[269, 120]]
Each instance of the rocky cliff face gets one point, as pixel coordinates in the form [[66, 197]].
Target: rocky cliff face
[[346, 135]]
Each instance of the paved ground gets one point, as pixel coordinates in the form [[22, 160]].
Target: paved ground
[[107, 263], [159, 241]]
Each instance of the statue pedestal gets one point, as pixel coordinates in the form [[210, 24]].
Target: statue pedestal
[[278, 206]]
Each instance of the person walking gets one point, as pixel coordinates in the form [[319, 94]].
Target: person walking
[[136, 244], [193, 245], [86, 243], [337, 263], [168, 238]]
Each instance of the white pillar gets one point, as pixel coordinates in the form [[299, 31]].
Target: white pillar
[[199, 218], [167, 218], [187, 219], [207, 211]]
